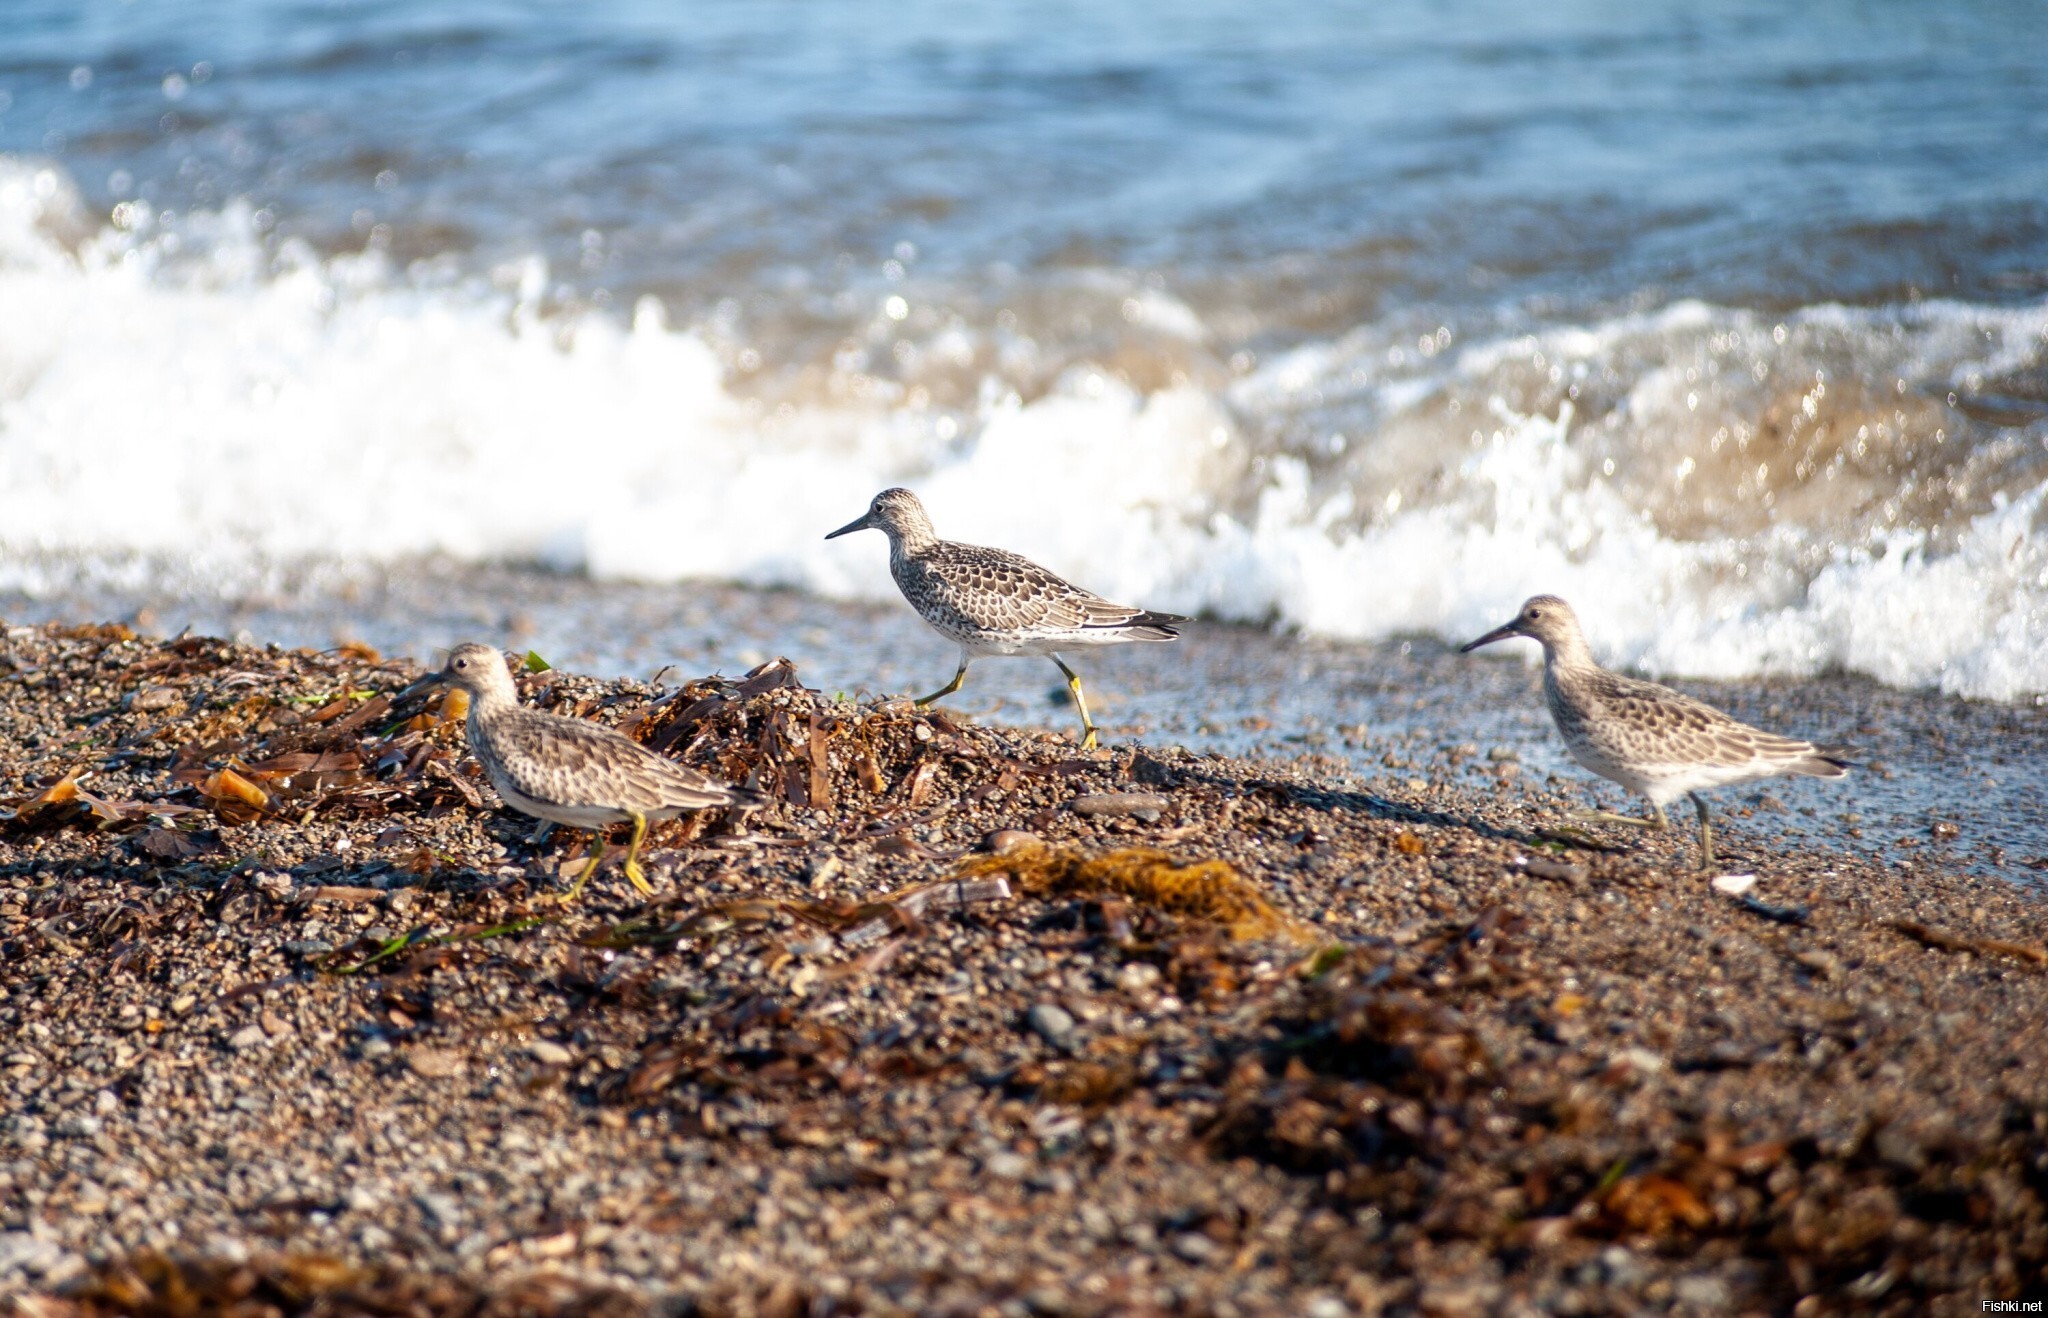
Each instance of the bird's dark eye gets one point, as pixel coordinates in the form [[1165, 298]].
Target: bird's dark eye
[[1535, 614]]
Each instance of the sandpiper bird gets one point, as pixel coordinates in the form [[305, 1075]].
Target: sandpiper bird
[[1648, 738], [570, 772], [993, 602]]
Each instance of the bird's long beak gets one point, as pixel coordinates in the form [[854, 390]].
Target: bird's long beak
[[860, 523], [1500, 633], [427, 683]]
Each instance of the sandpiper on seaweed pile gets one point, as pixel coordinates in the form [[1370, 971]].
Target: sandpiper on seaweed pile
[[962, 1018]]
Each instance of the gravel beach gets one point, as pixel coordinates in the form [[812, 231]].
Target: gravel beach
[[966, 1021]]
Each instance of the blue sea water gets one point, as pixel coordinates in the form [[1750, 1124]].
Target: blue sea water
[[1728, 321], [1464, 155]]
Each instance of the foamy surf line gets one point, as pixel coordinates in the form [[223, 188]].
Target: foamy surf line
[[183, 401]]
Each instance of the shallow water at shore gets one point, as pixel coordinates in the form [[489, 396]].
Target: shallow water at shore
[[1387, 711]]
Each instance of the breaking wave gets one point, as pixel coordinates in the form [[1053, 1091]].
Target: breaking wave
[[1721, 491]]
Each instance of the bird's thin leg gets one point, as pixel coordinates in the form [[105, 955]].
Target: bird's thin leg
[[1656, 821], [1080, 703], [542, 833], [950, 687], [633, 873], [596, 859], [1706, 832]]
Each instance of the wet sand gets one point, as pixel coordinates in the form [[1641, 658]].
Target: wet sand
[[313, 1033]]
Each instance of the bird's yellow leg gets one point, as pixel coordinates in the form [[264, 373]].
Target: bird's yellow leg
[[1656, 822], [596, 859], [633, 872], [948, 689], [1080, 703], [1706, 833]]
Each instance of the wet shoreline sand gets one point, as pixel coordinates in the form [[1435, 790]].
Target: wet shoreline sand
[[312, 1030], [1951, 781]]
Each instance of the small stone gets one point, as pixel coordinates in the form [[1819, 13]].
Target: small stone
[[1640, 1060], [1823, 965], [249, 1036], [1008, 1166], [1503, 754], [1051, 1022], [1734, 884], [443, 1210], [1458, 1296], [1194, 1247], [434, 1063], [1557, 871], [1623, 1268], [1900, 1149], [22, 1252], [64, 1271], [1006, 840], [1147, 806], [1138, 977], [549, 1053], [152, 698], [1709, 1294]]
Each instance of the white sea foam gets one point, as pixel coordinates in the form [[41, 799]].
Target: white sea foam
[[193, 415]]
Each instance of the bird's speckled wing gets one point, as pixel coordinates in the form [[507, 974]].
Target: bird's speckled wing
[[569, 762], [1645, 723], [996, 590]]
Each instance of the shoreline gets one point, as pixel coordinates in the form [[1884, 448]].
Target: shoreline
[[1950, 780], [317, 1044]]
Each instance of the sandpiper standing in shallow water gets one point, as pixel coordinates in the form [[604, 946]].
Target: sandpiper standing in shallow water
[[570, 772], [1649, 738], [993, 602]]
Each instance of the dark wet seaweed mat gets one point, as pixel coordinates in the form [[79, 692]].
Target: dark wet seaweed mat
[[967, 1020]]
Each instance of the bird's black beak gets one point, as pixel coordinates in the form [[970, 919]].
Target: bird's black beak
[[860, 523], [1500, 633], [425, 684]]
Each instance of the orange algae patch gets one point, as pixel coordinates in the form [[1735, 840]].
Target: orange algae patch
[[1210, 890]]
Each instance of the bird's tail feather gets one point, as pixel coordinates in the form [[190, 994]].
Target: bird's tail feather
[[1823, 764], [1146, 626]]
